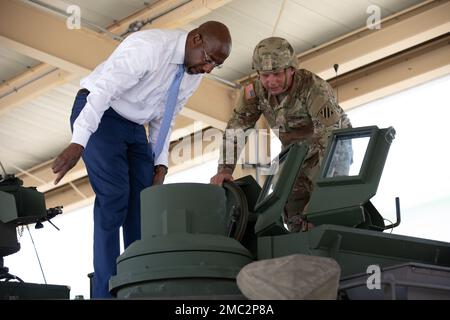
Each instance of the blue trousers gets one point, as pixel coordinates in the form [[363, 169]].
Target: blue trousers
[[120, 164]]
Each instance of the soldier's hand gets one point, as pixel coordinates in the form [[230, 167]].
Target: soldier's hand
[[220, 177], [66, 160], [159, 175]]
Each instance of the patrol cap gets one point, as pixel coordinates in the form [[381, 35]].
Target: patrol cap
[[272, 54]]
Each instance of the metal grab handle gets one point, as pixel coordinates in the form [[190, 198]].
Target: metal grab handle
[[397, 211]]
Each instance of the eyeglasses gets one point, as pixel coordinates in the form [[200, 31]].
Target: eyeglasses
[[210, 61]]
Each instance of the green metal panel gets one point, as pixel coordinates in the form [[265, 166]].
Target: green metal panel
[[30, 203], [183, 242], [270, 205], [346, 196], [251, 190], [183, 289], [356, 249], [8, 240], [183, 208], [164, 259], [8, 211], [156, 264], [8, 234], [12, 290], [408, 281]]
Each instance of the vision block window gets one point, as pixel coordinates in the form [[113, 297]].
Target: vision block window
[[347, 157]]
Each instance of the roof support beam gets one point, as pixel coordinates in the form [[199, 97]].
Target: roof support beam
[[16, 93], [68, 197], [169, 14], [399, 72], [398, 32], [23, 78], [186, 13], [148, 13]]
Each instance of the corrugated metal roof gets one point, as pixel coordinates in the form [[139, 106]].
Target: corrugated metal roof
[[38, 130]]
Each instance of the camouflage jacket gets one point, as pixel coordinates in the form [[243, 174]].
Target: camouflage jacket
[[308, 112]]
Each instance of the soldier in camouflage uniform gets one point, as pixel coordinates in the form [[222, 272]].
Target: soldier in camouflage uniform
[[297, 104]]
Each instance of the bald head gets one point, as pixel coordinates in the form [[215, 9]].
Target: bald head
[[217, 37], [207, 46]]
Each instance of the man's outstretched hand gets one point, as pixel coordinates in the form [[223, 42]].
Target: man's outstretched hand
[[159, 175], [221, 176], [66, 160]]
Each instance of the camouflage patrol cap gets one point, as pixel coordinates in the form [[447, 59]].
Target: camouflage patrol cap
[[273, 54]]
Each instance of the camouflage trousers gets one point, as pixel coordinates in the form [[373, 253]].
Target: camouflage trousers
[[294, 210]]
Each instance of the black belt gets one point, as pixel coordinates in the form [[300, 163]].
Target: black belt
[[83, 91]]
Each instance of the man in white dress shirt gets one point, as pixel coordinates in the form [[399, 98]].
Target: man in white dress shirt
[[131, 88]]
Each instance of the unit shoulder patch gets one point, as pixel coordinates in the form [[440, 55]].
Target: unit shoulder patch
[[249, 92], [328, 115]]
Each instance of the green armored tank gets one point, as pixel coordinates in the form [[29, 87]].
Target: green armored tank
[[197, 238]]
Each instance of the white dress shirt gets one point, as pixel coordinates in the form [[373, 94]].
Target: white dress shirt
[[134, 81]]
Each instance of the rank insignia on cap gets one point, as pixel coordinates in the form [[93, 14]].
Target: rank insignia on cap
[[249, 91]]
